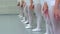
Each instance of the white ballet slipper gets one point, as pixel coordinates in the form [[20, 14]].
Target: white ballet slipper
[[23, 19], [28, 26], [45, 33], [36, 29], [26, 22], [20, 16]]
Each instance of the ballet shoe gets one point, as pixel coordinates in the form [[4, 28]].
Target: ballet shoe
[[20, 16], [26, 22], [45, 33], [36, 30], [28, 26], [23, 19]]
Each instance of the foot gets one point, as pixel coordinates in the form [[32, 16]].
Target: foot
[[37, 29], [20, 16], [26, 22], [28, 26], [23, 19], [45, 33]]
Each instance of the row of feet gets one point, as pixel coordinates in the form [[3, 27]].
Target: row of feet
[[28, 25]]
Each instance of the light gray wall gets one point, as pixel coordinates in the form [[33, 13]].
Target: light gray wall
[[8, 7]]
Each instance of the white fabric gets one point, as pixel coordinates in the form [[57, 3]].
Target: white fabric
[[55, 24], [20, 8], [37, 10], [26, 12], [30, 14], [36, 1], [27, 2], [21, 11], [48, 25], [42, 2], [51, 4], [49, 22]]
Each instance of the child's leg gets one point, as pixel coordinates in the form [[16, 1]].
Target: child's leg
[[46, 18], [48, 22], [38, 16], [21, 12], [51, 14], [26, 14], [57, 27], [30, 13], [48, 26]]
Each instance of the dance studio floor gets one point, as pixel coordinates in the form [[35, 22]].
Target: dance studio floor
[[10, 24]]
